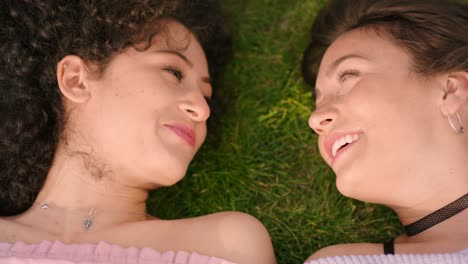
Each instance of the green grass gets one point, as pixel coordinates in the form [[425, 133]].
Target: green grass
[[263, 158]]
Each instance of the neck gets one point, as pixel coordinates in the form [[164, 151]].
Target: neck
[[71, 183], [71, 191], [436, 181], [439, 227]]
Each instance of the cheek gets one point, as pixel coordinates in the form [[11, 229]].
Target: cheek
[[396, 122], [201, 134], [321, 147], [377, 103], [125, 121]]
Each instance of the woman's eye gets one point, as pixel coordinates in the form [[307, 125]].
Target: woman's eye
[[343, 75], [176, 72]]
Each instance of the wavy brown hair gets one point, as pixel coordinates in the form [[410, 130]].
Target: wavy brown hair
[[36, 35], [433, 32]]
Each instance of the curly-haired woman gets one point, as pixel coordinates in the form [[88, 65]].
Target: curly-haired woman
[[100, 103]]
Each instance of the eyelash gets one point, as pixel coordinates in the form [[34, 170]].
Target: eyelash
[[180, 75], [348, 72], [176, 72]]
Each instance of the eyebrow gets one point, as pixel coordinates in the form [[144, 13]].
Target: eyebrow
[[334, 65], [338, 61], [178, 54]]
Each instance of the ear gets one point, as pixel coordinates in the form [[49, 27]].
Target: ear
[[456, 93], [71, 78]]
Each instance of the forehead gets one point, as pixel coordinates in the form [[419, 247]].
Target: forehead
[[176, 37], [376, 46], [172, 34]]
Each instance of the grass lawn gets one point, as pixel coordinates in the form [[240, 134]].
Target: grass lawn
[[262, 157]]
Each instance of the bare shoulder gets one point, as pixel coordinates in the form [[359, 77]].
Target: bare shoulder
[[243, 238], [12, 231], [347, 249], [8, 230], [4, 224], [233, 236]]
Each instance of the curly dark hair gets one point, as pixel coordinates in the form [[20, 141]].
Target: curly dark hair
[[433, 32], [36, 35]]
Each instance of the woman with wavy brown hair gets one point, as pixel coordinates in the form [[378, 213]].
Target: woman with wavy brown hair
[[391, 87], [100, 103]]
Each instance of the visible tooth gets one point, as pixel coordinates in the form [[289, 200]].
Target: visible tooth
[[355, 137], [349, 139], [342, 141], [335, 148]]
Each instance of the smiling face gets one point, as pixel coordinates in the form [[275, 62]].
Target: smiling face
[[146, 117], [378, 122]]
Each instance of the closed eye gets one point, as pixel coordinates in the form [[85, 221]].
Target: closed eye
[[345, 74], [175, 72]]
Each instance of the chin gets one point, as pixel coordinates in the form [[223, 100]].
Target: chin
[[344, 190], [362, 191], [167, 170], [349, 186], [165, 176], [172, 180], [171, 176]]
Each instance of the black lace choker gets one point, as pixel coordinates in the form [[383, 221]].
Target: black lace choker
[[438, 216]]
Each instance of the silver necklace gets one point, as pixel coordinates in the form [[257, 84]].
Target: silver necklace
[[88, 222]]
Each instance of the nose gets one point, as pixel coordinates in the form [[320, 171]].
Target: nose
[[196, 106], [322, 119]]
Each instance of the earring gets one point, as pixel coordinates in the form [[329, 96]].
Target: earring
[[460, 130]]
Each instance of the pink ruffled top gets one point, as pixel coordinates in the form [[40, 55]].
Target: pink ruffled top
[[57, 252]]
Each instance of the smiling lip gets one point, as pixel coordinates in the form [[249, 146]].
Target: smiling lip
[[186, 133], [329, 141]]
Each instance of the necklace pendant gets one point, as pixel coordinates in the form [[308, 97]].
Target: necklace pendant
[[88, 222]]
